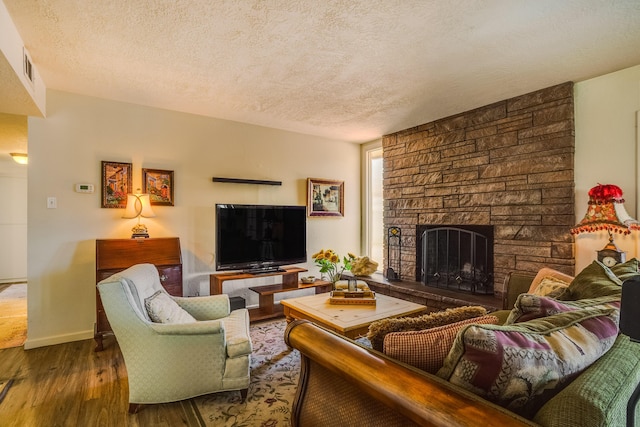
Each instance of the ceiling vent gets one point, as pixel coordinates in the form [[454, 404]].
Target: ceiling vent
[[27, 66]]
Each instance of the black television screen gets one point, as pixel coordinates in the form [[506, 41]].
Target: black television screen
[[260, 237]]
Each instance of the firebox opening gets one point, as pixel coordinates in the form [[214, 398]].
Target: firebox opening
[[455, 257]]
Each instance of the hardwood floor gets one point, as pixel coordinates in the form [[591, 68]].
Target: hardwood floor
[[71, 385]]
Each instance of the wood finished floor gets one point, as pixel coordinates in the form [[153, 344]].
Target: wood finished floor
[[71, 385]]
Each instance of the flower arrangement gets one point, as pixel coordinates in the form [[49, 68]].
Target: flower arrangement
[[329, 263]]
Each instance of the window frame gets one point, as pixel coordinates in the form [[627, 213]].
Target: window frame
[[370, 151]]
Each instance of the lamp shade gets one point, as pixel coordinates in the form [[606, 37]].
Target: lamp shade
[[138, 205], [606, 212], [21, 158]]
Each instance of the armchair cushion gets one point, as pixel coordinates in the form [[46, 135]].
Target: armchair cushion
[[163, 309]]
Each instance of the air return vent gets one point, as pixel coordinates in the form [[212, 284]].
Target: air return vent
[[27, 66]]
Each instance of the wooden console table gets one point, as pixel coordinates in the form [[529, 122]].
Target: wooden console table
[[115, 255], [267, 308]]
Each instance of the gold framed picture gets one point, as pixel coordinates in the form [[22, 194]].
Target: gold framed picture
[[325, 197], [116, 184], [158, 184]]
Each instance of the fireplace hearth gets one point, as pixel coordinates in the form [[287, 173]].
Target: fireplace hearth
[[455, 257]]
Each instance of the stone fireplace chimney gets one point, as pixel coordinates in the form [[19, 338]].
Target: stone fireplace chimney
[[508, 165]]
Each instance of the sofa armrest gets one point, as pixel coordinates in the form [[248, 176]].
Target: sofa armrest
[[341, 381], [515, 284]]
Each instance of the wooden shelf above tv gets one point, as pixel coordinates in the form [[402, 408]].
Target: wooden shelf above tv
[[245, 181]]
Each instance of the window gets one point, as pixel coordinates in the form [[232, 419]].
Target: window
[[373, 232]]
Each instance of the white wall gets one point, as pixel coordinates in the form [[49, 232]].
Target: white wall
[[606, 151], [79, 132], [13, 220]]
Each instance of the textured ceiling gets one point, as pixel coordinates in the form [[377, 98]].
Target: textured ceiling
[[345, 69]]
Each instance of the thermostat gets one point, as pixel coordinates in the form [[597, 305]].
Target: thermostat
[[84, 188]]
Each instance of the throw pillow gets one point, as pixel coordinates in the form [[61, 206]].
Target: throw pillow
[[163, 309], [595, 280], [427, 349], [529, 306], [550, 286], [545, 272], [379, 329], [522, 366], [627, 269]]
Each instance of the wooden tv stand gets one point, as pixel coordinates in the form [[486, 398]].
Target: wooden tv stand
[[267, 308]]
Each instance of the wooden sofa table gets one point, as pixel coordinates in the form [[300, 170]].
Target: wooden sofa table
[[348, 320]]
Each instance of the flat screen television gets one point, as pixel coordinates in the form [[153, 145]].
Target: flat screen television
[[259, 238]]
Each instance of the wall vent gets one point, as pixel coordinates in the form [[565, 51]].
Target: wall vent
[[27, 66]]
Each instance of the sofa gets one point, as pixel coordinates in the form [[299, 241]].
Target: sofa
[[345, 382]]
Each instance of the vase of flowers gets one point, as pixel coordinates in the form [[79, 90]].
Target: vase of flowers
[[329, 263]]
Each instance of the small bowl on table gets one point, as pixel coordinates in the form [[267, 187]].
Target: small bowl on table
[[307, 280]]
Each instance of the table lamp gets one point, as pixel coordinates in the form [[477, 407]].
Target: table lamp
[[606, 212], [138, 205]]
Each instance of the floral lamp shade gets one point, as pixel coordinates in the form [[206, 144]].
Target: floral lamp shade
[[606, 212]]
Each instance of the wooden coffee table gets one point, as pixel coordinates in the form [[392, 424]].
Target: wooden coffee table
[[349, 320]]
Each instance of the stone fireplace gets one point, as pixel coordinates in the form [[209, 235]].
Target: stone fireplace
[[508, 165], [455, 257]]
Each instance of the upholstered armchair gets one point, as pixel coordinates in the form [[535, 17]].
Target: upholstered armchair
[[201, 348]]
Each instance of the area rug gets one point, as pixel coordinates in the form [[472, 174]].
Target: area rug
[[13, 315], [274, 378]]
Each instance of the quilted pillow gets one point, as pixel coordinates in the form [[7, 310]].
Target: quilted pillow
[[427, 349], [550, 286], [522, 366], [529, 306], [163, 309], [379, 329]]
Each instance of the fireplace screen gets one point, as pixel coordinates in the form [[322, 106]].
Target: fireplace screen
[[456, 257]]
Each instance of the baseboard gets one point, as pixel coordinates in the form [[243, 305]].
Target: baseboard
[[57, 339], [13, 281]]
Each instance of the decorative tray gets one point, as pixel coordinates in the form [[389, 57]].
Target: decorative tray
[[353, 297]]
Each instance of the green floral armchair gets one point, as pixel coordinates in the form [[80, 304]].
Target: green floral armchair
[[207, 349]]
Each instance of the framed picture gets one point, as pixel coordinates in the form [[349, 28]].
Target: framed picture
[[158, 184], [116, 184], [325, 197]]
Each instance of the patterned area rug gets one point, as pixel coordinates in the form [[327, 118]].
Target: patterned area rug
[[274, 378], [13, 315]]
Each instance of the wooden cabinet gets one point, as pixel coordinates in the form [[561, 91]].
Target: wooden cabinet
[[114, 255], [267, 309]]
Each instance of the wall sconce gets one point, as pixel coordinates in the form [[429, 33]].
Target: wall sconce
[[138, 205], [20, 158]]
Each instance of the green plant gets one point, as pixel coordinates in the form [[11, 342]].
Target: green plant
[[329, 263]]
